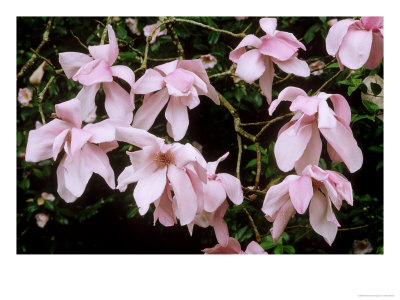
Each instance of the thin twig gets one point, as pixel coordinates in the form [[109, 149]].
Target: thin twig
[[175, 40], [43, 58], [239, 35], [103, 36], [239, 157], [326, 82], [271, 122], [40, 98], [258, 173], [79, 41], [256, 233]]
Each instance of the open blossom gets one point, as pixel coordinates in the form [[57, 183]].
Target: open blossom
[[132, 25], [147, 30], [213, 205], [98, 68], [208, 60], [299, 143], [233, 247], [82, 156], [158, 169], [356, 42], [179, 82], [315, 188], [277, 47], [24, 96], [41, 219]]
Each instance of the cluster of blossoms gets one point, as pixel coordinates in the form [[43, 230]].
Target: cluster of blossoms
[[175, 177]]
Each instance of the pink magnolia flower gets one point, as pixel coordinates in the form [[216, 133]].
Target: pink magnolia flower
[[47, 196], [315, 188], [147, 30], [208, 60], [82, 157], [299, 143], [24, 96], [233, 247], [212, 203], [132, 25], [91, 71], [158, 169], [356, 42], [181, 82], [277, 47], [41, 219]]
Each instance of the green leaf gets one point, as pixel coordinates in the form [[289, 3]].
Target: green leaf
[[278, 249], [244, 233], [370, 106], [132, 212], [289, 249], [285, 237], [267, 243], [20, 138], [251, 163], [379, 165], [38, 173], [48, 205], [238, 93], [213, 38], [355, 118], [120, 32], [62, 220], [334, 65], [376, 88], [24, 184], [379, 250], [377, 149], [310, 33]]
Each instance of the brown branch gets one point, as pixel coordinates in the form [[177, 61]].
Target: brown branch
[[103, 36], [257, 192], [326, 82], [79, 41], [43, 58], [239, 158], [256, 233], [268, 123], [175, 40], [32, 60], [40, 98], [239, 35], [258, 173]]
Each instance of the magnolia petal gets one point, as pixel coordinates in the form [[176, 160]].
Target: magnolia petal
[[233, 247], [214, 195], [87, 96], [312, 153], [232, 186], [336, 34], [333, 155], [267, 78], [343, 142], [212, 94], [179, 82], [177, 115], [376, 54], [61, 188], [167, 67], [103, 131], [150, 188], [59, 143], [212, 166], [151, 81], [138, 137], [118, 102], [151, 107], [341, 108], [372, 22], [355, 48], [198, 189], [319, 217], [250, 66], [268, 25], [301, 192], [326, 116], [125, 178], [71, 62], [79, 137], [343, 186], [288, 94], [277, 48], [70, 111], [96, 71], [40, 141], [108, 52], [76, 173], [164, 211], [254, 248], [220, 226], [290, 39], [315, 172], [184, 193], [248, 40], [305, 104], [108, 146], [128, 76], [282, 219], [295, 66]]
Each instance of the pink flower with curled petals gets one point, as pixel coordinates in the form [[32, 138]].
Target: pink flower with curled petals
[[356, 42], [277, 47], [24, 96], [299, 143], [315, 188], [85, 149], [47, 196], [41, 219], [158, 169], [208, 60], [147, 30], [98, 68], [213, 205], [233, 247], [179, 83], [132, 25]]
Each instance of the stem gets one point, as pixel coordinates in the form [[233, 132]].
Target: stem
[[326, 82], [256, 233], [257, 180], [239, 35], [239, 158], [40, 98], [103, 36], [175, 40]]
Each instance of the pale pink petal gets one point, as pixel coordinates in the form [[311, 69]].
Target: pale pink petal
[[164, 211], [305, 104], [220, 226], [76, 174], [315, 172], [312, 153], [333, 154], [87, 96], [214, 195], [40, 141], [184, 193], [108, 52], [128, 76], [290, 39], [177, 115], [343, 186], [301, 192], [79, 137], [341, 107], [254, 248], [233, 247], [320, 214], [267, 78], [108, 146], [71, 62], [103, 131], [295, 66], [232, 186], [288, 94], [198, 189], [250, 66], [212, 166], [268, 25], [118, 104], [150, 188], [185, 154], [138, 137], [151, 81], [249, 40], [70, 111], [326, 116], [290, 145], [355, 48], [169, 67], [336, 34], [144, 160], [277, 48], [151, 107], [179, 82], [93, 72], [376, 55], [343, 142], [212, 94], [124, 179], [191, 100], [282, 218], [59, 143], [372, 22], [61, 188]]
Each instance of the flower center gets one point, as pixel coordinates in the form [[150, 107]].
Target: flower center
[[164, 159]]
